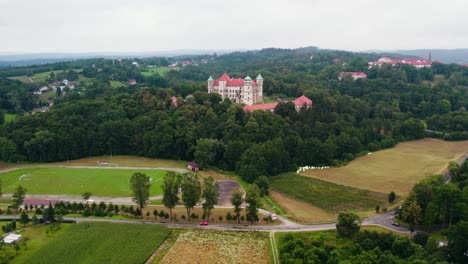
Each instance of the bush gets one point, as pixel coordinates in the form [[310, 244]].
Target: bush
[[377, 208], [229, 216], [420, 238]]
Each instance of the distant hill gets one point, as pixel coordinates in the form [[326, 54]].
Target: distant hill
[[459, 56]]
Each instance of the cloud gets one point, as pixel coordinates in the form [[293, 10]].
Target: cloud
[[150, 25]]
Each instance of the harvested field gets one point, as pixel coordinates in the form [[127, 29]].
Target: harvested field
[[396, 169], [207, 246]]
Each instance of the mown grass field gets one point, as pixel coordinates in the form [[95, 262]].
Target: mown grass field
[[10, 118], [102, 243], [327, 196], [101, 182], [208, 246], [396, 169], [123, 161], [151, 71]]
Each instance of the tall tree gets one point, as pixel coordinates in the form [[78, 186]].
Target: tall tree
[[191, 191], [18, 197], [170, 190], [236, 200], [391, 197], [412, 213], [210, 195], [140, 185], [86, 196], [252, 199]]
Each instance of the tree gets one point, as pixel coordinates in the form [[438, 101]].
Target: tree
[[49, 214], [170, 190], [191, 191], [86, 196], [205, 151], [140, 185], [252, 199], [263, 185], [210, 195], [391, 197], [457, 236], [236, 200], [18, 197], [24, 218], [348, 224], [412, 213]]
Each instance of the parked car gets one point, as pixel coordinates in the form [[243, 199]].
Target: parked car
[[204, 223], [395, 224]]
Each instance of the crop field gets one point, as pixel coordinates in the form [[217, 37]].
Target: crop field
[[396, 169], [123, 161], [327, 196], [101, 182], [102, 243], [207, 246]]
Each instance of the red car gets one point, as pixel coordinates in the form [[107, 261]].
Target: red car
[[204, 223]]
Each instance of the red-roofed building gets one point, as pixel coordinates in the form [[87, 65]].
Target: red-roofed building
[[355, 75], [417, 63], [299, 103], [174, 100], [241, 91], [132, 82]]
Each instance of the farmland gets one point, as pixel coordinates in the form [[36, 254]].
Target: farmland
[[101, 182], [123, 161], [102, 243], [207, 246], [396, 169], [324, 195]]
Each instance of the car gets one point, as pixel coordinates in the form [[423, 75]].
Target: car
[[204, 223], [395, 224]]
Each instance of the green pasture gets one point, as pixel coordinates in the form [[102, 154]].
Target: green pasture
[[101, 182], [327, 196], [151, 71], [101, 243]]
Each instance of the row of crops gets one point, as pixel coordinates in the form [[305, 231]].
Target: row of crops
[[102, 243], [327, 196]]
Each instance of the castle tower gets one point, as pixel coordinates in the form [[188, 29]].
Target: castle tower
[[259, 93], [248, 91], [210, 85]]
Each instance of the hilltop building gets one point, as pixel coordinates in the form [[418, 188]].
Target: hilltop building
[[241, 91], [417, 63], [355, 75], [299, 103]]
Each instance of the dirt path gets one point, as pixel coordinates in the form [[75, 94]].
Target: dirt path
[[274, 248]]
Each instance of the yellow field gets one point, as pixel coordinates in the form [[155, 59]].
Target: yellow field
[[208, 246], [396, 169], [123, 161]]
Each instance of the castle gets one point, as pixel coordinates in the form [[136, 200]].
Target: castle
[[242, 91]]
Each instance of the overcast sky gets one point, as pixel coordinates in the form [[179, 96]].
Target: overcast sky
[[159, 25]]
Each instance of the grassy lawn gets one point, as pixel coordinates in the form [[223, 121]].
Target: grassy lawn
[[101, 182], [151, 71], [10, 118], [38, 238], [123, 161], [117, 84], [327, 196], [208, 246], [101, 243], [396, 169]]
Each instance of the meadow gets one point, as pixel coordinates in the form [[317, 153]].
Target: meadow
[[123, 161], [326, 196], [396, 169], [208, 246], [101, 182], [10, 118], [151, 71], [102, 243]]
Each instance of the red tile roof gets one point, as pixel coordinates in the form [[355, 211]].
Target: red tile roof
[[268, 106], [303, 100], [232, 81]]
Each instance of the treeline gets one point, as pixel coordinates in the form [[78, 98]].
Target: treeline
[[16, 97], [433, 201]]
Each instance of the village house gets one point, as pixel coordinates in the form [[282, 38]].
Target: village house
[[417, 63], [241, 91], [355, 75], [299, 103], [132, 82], [193, 166]]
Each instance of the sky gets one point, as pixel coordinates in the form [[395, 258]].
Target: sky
[[71, 26]]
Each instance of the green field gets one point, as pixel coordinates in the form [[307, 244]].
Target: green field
[[101, 182], [151, 71], [327, 196], [117, 84], [102, 243], [10, 118]]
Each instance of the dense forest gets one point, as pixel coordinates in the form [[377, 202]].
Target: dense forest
[[348, 118]]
